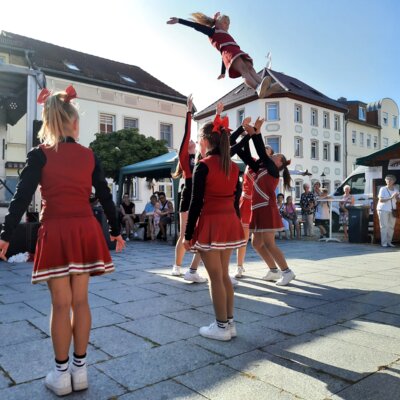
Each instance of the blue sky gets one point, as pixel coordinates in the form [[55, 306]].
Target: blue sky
[[342, 48]]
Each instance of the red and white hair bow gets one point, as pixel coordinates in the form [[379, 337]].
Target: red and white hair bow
[[45, 94], [221, 124]]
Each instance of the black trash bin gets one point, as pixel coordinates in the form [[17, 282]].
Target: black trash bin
[[358, 223]]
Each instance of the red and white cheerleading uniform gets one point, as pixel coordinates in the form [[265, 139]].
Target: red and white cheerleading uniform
[[186, 162], [70, 239], [224, 43], [213, 222], [265, 216]]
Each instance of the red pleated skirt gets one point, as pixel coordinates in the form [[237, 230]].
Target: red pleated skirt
[[245, 211], [68, 246], [229, 55], [220, 231]]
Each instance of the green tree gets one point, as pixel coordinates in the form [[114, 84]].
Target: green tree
[[125, 147]]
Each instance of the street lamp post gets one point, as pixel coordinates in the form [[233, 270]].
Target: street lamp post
[[323, 179]]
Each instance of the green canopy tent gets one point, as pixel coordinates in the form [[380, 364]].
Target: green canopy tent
[[156, 168]]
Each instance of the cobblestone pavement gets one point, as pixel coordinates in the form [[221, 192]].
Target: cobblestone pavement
[[334, 333]]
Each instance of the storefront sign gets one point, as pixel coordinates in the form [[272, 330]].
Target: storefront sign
[[394, 164]]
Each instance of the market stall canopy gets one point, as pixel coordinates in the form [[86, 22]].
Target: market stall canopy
[[380, 156], [158, 167]]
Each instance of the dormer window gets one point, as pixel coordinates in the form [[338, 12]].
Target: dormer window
[[127, 79], [71, 66], [362, 113]]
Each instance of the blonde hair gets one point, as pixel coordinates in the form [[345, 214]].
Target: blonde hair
[[204, 19], [58, 117]]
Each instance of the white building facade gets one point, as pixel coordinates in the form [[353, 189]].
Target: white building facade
[[104, 106]]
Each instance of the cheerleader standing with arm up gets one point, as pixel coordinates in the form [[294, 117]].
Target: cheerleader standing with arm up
[[213, 226], [185, 169], [265, 218], [71, 245]]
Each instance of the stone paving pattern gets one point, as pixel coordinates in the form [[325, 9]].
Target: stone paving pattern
[[334, 333]]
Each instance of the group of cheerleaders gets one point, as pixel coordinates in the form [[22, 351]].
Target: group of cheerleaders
[[214, 221], [71, 245]]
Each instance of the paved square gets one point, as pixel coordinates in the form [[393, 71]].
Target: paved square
[[333, 333]]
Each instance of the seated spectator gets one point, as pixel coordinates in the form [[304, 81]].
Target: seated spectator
[[290, 215], [148, 214], [322, 214], [281, 207], [166, 209], [128, 217]]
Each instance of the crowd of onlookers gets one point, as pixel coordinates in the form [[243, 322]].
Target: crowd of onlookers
[[154, 219], [312, 212]]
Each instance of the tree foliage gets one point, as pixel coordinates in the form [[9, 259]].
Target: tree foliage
[[125, 147]]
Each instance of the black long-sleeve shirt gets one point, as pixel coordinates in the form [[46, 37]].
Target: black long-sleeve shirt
[[243, 151], [29, 181]]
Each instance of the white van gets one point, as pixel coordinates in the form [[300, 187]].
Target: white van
[[361, 187]]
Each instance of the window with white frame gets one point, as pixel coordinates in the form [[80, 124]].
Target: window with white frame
[[337, 123], [3, 58], [314, 150], [240, 117], [298, 147], [336, 152], [326, 120], [375, 142], [362, 139], [165, 185], [369, 144], [298, 113], [327, 185], [385, 142], [272, 111], [107, 123], [385, 118], [274, 142], [326, 151], [131, 123], [298, 188], [354, 137], [135, 188], [362, 113], [314, 117], [394, 121], [166, 134]]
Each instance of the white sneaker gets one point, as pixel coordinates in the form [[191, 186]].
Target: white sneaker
[[384, 245], [286, 278], [239, 272], [127, 239], [232, 328], [194, 277], [264, 86], [176, 270], [233, 281], [59, 382], [213, 332], [79, 377], [391, 245], [272, 275], [135, 235]]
